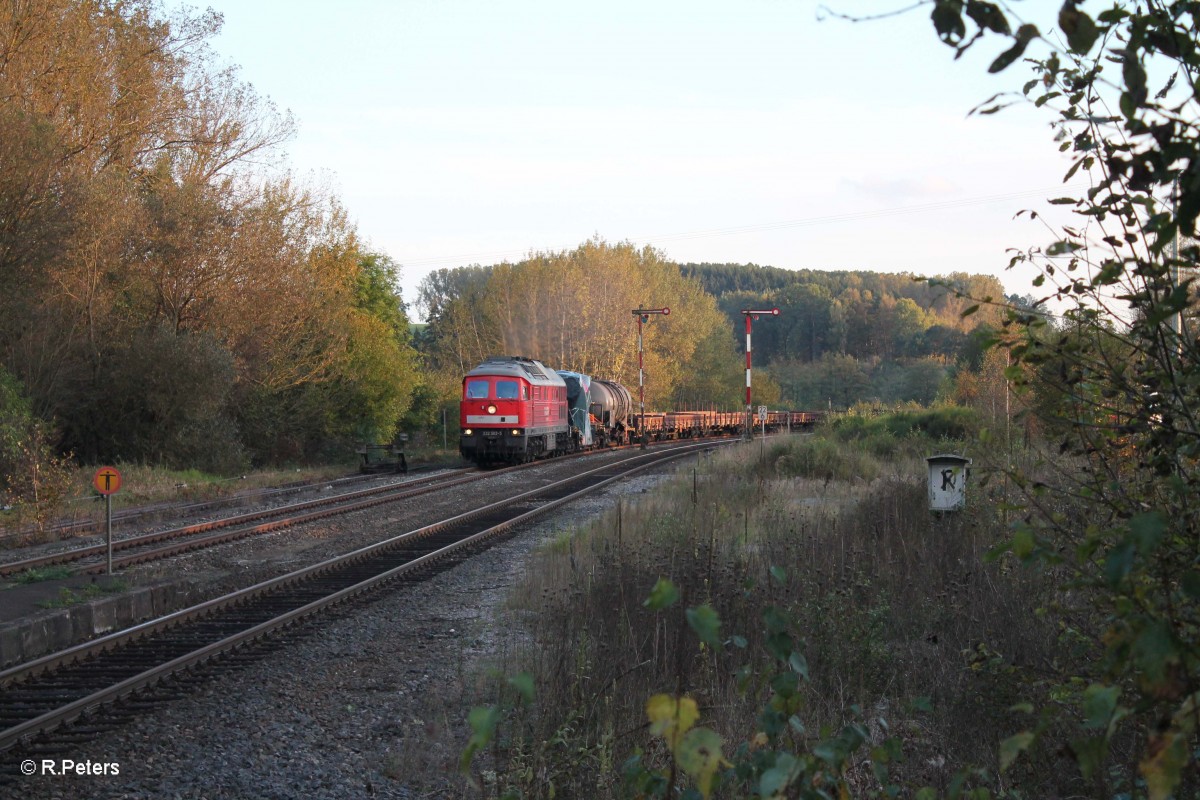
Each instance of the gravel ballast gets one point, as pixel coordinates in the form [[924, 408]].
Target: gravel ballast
[[371, 703]]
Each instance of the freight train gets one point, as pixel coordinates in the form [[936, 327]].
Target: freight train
[[516, 409]]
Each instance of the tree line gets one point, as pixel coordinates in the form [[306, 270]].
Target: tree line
[[1106, 506], [859, 314], [844, 337]]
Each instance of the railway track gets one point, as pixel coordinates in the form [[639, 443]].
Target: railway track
[[142, 516], [82, 683], [163, 544], [143, 548]]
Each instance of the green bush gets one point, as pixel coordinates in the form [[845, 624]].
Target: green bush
[[819, 458], [942, 423], [33, 479], [881, 445]]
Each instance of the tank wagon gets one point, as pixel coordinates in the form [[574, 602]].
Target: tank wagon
[[609, 408], [513, 409]]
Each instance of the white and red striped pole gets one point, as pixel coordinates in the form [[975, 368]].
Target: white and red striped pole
[[643, 315], [752, 314], [641, 378], [748, 327]]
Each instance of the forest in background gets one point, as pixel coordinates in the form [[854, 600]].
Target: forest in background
[[847, 337], [841, 337], [573, 310]]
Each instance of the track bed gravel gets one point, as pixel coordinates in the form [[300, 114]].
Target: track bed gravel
[[370, 704]]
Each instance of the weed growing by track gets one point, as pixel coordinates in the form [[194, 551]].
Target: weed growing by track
[[39, 574], [73, 597], [822, 613]]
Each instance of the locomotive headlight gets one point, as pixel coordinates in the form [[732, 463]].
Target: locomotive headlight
[[467, 432], [491, 409], [516, 432]]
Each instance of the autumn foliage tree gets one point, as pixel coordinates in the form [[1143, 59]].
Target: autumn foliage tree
[[171, 292], [573, 310]]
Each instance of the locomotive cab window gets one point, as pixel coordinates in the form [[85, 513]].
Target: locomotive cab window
[[506, 390], [477, 390]]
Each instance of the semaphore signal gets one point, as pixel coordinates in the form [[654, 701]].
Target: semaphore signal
[[643, 315], [752, 314]]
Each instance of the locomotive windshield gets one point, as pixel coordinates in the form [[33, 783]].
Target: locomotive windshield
[[506, 390], [477, 390]]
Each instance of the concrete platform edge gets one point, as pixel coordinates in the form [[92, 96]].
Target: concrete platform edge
[[57, 629]]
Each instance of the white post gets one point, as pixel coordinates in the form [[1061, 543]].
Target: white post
[[108, 527]]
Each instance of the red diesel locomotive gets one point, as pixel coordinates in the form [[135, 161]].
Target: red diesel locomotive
[[513, 409]]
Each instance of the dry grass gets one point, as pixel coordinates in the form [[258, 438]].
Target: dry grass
[[144, 485], [900, 615], [147, 485]]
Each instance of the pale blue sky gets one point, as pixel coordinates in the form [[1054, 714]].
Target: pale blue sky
[[461, 132]]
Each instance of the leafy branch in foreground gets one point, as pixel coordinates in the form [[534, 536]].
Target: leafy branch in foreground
[[781, 757], [1118, 382]]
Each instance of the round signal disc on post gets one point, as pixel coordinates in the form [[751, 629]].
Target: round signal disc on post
[[107, 480]]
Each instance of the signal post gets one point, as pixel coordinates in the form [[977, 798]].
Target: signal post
[[107, 481], [752, 314], [643, 315]]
